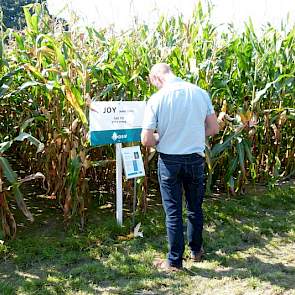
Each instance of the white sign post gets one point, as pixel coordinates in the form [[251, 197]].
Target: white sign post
[[119, 191], [115, 122]]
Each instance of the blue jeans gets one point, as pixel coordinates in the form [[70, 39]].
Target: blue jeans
[[177, 173]]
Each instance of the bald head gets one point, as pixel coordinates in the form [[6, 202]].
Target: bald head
[[159, 73], [160, 69]]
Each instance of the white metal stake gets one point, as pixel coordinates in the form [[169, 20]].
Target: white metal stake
[[134, 203], [119, 192]]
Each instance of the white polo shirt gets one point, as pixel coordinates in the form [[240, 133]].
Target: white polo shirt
[[178, 112]]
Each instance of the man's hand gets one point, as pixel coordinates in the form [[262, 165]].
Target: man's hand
[[149, 138]]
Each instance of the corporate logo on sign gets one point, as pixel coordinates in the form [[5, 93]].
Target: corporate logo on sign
[[116, 136]]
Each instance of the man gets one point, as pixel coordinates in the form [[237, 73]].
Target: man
[[177, 119]]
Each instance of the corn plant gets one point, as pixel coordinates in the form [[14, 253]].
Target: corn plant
[[7, 218]]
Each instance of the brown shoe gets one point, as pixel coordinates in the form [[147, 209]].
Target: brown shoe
[[162, 265], [197, 257]]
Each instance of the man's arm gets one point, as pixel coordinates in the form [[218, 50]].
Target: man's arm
[[149, 138], [211, 125]]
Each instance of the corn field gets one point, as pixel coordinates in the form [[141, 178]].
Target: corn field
[[47, 74]]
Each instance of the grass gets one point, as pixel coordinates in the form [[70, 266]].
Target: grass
[[249, 243]]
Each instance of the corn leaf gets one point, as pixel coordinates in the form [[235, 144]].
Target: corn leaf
[[75, 104], [220, 147], [241, 154], [4, 146], [233, 164], [23, 135], [7, 170], [248, 151], [29, 84]]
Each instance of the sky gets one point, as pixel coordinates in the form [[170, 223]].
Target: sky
[[121, 14]]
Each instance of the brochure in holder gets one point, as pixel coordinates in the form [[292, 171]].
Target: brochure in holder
[[132, 162]]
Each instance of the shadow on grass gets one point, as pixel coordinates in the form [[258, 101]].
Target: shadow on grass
[[276, 274], [243, 229], [113, 270], [47, 259]]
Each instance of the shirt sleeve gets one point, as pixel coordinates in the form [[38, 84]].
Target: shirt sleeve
[[210, 108], [150, 119]]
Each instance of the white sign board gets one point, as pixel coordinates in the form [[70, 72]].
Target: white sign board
[[115, 121], [132, 162]]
